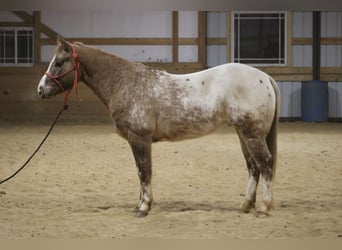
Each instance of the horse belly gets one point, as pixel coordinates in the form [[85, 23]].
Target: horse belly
[[187, 125]]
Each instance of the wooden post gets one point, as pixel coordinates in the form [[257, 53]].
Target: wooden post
[[289, 38], [228, 36], [37, 42], [316, 45], [174, 38], [202, 34]]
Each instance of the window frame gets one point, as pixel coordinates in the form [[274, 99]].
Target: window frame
[[233, 58], [16, 59]]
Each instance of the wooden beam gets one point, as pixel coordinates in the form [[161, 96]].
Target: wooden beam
[[301, 41], [174, 37], [29, 20], [114, 41], [324, 40], [216, 40], [202, 33], [37, 46], [331, 40], [124, 41], [138, 41]]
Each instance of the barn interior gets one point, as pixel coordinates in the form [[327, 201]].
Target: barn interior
[[182, 42], [76, 186]]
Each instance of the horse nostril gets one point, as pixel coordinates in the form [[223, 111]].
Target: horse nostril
[[40, 91]]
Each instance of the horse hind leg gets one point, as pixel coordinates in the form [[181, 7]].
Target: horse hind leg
[[141, 148], [259, 151], [254, 174]]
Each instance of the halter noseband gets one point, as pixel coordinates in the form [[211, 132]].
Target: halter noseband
[[74, 68]]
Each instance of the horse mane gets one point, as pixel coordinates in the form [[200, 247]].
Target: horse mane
[[79, 43]]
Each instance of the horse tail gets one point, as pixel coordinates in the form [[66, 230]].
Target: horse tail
[[271, 138]]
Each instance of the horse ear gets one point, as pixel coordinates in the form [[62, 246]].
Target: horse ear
[[63, 43]]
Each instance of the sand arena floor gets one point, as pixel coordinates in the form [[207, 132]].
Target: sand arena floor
[[83, 184]]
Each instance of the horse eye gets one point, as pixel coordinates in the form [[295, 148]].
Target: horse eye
[[58, 64]]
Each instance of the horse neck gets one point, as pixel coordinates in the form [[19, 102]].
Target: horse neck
[[103, 72]]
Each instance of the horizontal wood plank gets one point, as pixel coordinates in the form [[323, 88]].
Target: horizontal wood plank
[[324, 41], [124, 41]]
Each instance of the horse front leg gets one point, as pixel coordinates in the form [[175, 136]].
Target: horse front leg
[[141, 148]]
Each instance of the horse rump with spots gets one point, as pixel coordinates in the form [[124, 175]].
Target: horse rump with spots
[[149, 105]]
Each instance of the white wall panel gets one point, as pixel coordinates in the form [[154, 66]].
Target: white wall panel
[[302, 55], [216, 55], [69, 23], [140, 53], [285, 99], [302, 28], [188, 24], [216, 24], [335, 99], [331, 23], [47, 52], [290, 105], [331, 55], [188, 28], [117, 24], [216, 27], [188, 53], [302, 24], [296, 91], [109, 24], [133, 24]]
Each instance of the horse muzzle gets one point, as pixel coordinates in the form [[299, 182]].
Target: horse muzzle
[[41, 93], [45, 92]]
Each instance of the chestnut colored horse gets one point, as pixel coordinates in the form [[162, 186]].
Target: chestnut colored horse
[[148, 105]]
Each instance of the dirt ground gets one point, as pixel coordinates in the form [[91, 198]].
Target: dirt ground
[[83, 184]]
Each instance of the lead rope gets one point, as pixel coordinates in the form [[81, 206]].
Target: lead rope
[[65, 107]]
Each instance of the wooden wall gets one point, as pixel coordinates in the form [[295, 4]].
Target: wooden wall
[[18, 85], [18, 94]]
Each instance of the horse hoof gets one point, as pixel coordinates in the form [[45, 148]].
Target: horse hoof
[[246, 207], [244, 210], [261, 214], [141, 214]]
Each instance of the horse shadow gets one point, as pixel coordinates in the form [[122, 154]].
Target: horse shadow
[[185, 206]]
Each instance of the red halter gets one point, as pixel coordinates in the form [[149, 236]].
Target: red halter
[[74, 68]]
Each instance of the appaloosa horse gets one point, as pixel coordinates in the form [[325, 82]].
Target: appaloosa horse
[[148, 105]]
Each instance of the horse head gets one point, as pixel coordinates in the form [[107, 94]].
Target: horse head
[[62, 73]]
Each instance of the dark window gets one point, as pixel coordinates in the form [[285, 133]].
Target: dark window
[[259, 38], [16, 46]]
